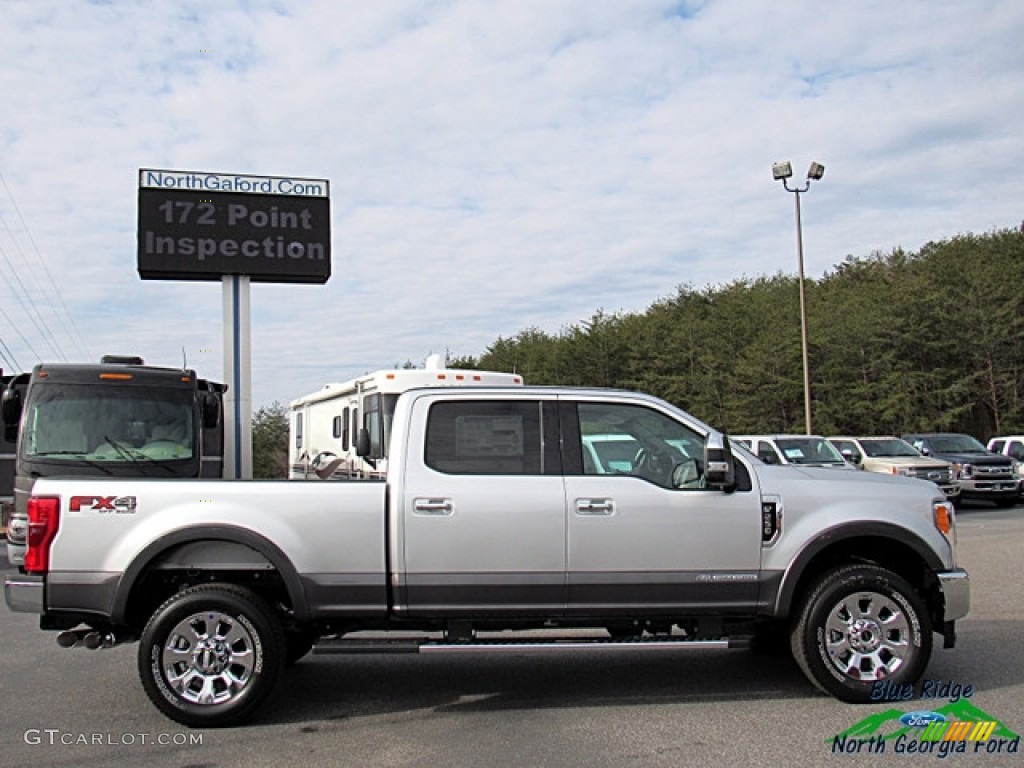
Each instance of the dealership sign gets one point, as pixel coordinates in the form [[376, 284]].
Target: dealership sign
[[202, 226]]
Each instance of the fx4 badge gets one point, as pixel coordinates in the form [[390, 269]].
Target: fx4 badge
[[105, 505]]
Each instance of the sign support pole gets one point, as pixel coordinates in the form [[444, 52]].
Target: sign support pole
[[238, 376]]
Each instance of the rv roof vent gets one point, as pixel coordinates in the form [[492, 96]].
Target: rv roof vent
[[120, 360]]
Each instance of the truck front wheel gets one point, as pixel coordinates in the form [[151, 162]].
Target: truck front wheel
[[211, 654], [861, 625]]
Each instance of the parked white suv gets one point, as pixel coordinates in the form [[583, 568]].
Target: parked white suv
[[1012, 446], [894, 456]]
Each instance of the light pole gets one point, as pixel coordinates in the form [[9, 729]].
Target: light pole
[[783, 172]]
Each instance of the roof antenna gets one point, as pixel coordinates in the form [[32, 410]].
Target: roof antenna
[[184, 359]]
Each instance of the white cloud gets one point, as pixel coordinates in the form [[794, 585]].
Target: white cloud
[[493, 165]]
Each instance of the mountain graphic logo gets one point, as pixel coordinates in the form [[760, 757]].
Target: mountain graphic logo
[[887, 725]]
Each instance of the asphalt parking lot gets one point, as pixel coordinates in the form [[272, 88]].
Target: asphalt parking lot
[[702, 708]]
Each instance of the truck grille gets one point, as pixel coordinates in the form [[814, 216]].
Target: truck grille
[[935, 474], [995, 472]]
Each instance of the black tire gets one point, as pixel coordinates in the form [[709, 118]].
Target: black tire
[[297, 644], [858, 626], [210, 655]]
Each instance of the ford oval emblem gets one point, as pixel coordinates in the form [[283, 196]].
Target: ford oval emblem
[[921, 718]]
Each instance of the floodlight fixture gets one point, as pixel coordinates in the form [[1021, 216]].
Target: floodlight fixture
[[782, 170]]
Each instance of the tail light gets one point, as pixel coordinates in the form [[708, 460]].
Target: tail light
[[43, 519]]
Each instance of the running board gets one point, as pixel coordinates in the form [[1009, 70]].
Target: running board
[[363, 646]]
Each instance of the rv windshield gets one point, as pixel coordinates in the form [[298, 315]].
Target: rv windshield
[[73, 422], [378, 414]]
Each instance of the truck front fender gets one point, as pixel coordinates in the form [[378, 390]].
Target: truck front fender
[[867, 541]]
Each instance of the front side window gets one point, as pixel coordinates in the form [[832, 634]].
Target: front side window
[[485, 438], [848, 449], [640, 442]]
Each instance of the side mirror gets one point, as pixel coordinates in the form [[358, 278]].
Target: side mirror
[[850, 456], [211, 411], [719, 465], [10, 410]]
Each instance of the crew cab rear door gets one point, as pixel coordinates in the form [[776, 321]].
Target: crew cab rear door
[[481, 509], [644, 535]]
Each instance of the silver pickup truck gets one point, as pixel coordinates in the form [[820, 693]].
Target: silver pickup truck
[[495, 517]]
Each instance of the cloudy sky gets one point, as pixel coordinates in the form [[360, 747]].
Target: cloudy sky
[[494, 164]]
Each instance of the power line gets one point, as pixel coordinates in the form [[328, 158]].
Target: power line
[[70, 328], [30, 307], [26, 342]]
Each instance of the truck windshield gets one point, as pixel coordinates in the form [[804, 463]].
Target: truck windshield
[[893, 447], [74, 423], [809, 450], [957, 444]]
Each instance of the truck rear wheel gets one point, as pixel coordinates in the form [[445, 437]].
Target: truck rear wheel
[[861, 625], [210, 655]]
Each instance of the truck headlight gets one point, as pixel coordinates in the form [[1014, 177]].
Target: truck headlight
[[903, 472], [965, 471], [944, 517]]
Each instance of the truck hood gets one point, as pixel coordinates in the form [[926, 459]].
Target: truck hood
[[791, 480], [982, 459]]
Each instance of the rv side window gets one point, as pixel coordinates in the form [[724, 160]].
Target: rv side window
[[336, 426], [374, 425], [344, 429], [298, 430]]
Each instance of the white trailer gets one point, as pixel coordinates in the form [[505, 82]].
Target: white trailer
[[325, 426]]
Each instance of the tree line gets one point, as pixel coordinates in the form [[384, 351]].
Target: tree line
[[898, 342]]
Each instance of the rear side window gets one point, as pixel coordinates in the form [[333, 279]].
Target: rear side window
[[485, 438]]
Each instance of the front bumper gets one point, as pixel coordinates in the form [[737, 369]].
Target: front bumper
[[955, 586], [989, 489], [23, 593]]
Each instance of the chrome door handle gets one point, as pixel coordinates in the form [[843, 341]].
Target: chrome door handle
[[595, 507], [432, 506]]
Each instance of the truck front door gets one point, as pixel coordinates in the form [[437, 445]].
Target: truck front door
[[482, 510], [644, 536]]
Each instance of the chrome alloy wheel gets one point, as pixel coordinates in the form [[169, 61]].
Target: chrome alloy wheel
[[868, 636], [209, 657]]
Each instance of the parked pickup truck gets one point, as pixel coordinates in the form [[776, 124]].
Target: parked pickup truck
[[981, 474], [895, 456], [490, 520]]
